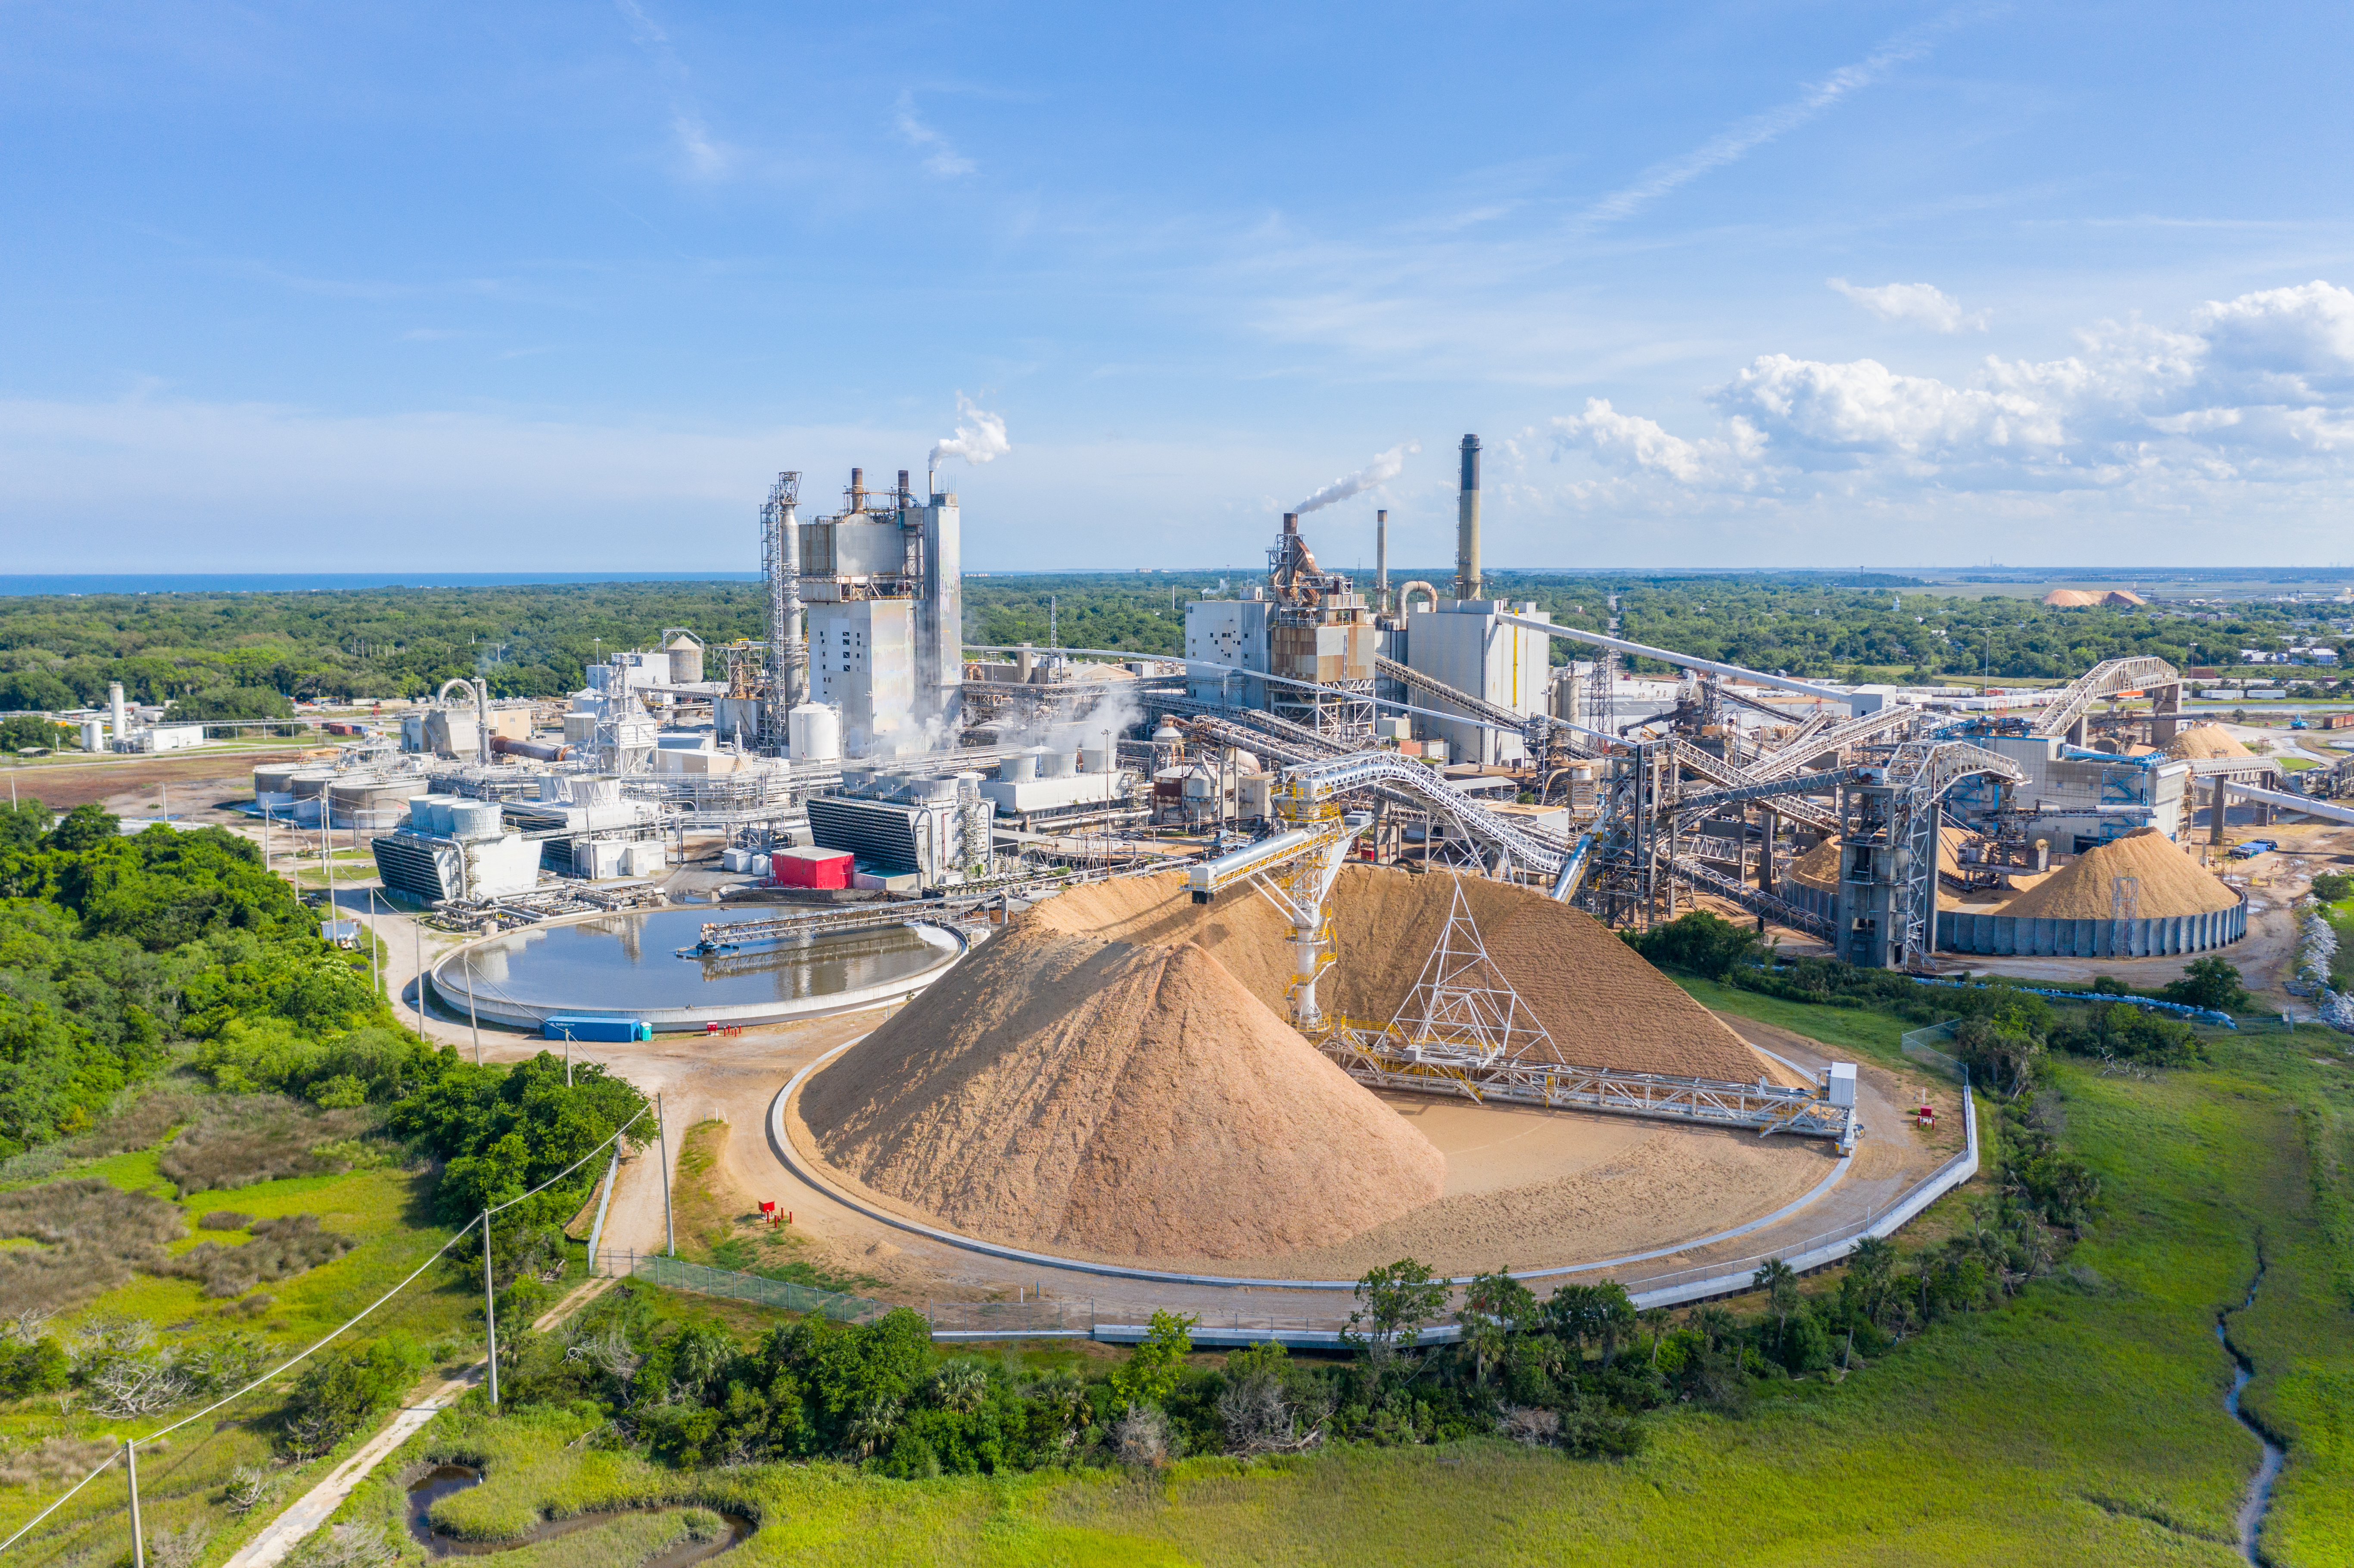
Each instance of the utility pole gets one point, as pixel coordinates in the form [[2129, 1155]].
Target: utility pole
[[490, 1311], [138, 1535], [661, 1131]]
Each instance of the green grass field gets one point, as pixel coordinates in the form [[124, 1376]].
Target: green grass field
[[2083, 1423], [181, 1483]]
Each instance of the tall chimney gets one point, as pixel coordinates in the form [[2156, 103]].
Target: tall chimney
[[117, 711], [1291, 521], [904, 492], [1382, 561], [1467, 525], [858, 490]]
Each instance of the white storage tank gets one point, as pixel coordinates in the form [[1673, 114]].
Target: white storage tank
[[813, 733], [475, 819], [762, 866], [93, 735]]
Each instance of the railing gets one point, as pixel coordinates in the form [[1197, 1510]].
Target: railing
[[675, 1274]]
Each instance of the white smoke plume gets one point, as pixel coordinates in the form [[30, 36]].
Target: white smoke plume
[[1385, 467], [977, 442]]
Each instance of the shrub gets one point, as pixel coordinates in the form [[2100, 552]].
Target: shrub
[[2210, 983], [339, 1392], [2333, 887]]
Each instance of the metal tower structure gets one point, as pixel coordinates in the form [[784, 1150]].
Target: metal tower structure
[[1463, 1011], [781, 562]]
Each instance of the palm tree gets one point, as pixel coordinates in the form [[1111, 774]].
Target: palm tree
[[1780, 1282], [1873, 1260]]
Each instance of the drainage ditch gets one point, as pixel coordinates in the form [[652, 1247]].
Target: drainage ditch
[[445, 1480]]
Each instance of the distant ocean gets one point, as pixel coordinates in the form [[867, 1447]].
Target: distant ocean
[[326, 582]]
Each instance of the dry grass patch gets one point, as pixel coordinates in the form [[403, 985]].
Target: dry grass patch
[[263, 1137], [280, 1249], [92, 1234]]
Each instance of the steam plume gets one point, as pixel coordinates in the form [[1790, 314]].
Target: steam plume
[[1380, 471], [977, 442]]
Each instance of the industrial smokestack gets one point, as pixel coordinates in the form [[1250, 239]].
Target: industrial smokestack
[[904, 492], [858, 490], [1291, 521], [1467, 525], [116, 710], [1382, 561]]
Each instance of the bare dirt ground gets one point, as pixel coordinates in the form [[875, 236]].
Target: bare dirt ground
[[129, 787]]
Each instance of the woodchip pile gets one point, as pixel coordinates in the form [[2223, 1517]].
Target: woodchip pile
[[2167, 881], [1116, 1074]]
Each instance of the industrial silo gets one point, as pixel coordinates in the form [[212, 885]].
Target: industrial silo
[[685, 659]]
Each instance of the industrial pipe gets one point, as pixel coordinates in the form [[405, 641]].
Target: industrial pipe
[[2287, 801], [537, 751], [1406, 592], [1684, 661], [481, 690]]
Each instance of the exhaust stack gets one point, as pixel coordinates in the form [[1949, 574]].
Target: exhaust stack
[[1382, 561], [1467, 525]]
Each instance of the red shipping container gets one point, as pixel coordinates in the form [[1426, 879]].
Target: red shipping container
[[809, 868]]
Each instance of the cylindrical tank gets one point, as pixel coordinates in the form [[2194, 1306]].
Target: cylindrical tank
[[1019, 767], [475, 820], [272, 778], [1199, 785], [933, 791], [309, 783], [93, 735], [1054, 764], [1168, 734], [1097, 758], [118, 712], [420, 813], [763, 866], [813, 733], [685, 660]]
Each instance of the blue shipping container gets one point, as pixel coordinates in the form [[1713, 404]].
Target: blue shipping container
[[602, 1030]]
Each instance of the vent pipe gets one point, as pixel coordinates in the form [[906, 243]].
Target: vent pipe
[[1382, 561], [1467, 525]]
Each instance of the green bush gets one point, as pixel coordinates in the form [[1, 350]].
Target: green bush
[[2210, 983], [2333, 887], [341, 1390]]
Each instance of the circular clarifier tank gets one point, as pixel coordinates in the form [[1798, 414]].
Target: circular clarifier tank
[[632, 965]]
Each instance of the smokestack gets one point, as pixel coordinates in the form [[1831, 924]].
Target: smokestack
[[858, 490], [904, 492], [1467, 525], [1291, 521], [115, 707], [1381, 560]]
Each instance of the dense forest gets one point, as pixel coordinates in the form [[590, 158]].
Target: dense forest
[[117, 952], [245, 655]]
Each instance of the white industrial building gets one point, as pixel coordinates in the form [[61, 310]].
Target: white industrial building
[[1464, 645]]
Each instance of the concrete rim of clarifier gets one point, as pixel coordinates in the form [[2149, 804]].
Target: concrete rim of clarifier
[[493, 1009]]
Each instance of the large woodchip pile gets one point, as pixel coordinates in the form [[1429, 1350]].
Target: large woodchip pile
[[2206, 740], [1114, 1075], [2167, 883]]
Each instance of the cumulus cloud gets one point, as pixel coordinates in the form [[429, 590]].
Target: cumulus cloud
[[1917, 304], [2256, 388]]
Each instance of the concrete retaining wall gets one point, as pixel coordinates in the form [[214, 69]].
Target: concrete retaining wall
[[1959, 931]]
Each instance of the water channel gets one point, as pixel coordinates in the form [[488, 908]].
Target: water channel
[[444, 1479], [2260, 1490]]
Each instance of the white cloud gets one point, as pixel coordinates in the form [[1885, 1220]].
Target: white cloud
[[1924, 304], [940, 159], [2257, 390]]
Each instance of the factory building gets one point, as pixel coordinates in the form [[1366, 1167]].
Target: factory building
[[1303, 626], [2079, 799], [880, 583], [1463, 645]]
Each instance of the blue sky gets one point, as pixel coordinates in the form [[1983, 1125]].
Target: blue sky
[[349, 287]]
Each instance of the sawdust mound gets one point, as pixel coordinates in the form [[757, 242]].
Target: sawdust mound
[[1121, 1097], [2170, 884], [1819, 866], [1602, 1005], [2206, 740]]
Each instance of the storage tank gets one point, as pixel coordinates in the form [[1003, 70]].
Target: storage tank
[[369, 804], [272, 778], [685, 660], [813, 733], [1018, 768], [475, 819], [93, 735], [309, 783]]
